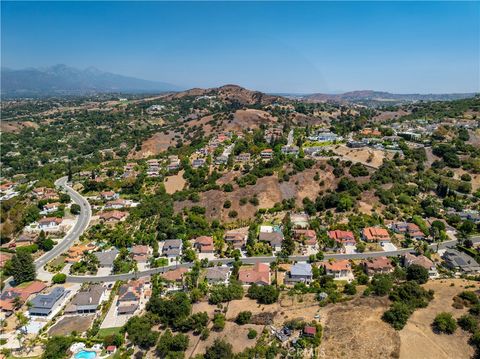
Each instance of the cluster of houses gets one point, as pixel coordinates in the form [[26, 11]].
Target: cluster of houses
[[7, 191]]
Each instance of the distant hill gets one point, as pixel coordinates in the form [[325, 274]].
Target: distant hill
[[65, 80], [231, 94], [368, 97]]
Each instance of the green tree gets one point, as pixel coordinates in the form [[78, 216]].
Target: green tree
[[23, 268], [397, 316], [220, 349], [444, 323], [75, 209], [417, 273], [57, 347]]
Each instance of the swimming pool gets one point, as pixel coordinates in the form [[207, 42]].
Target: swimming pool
[[85, 354]]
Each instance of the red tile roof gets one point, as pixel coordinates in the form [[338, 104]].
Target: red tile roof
[[260, 273], [375, 234]]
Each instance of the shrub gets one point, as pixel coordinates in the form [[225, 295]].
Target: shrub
[[350, 289], [468, 323], [233, 214], [444, 323], [397, 316], [218, 322], [243, 318], [470, 297], [59, 278], [252, 334]]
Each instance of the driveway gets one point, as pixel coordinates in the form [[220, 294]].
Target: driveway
[[389, 247]]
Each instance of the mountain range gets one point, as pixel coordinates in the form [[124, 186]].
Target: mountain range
[[369, 97], [62, 79]]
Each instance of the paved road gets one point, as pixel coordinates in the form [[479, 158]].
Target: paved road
[[253, 260], [81, 224]]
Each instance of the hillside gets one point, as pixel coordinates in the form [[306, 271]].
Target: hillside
[[231, 94], [61, 79], [369, 97]]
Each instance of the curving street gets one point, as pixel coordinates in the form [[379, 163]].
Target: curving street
[[80, 225]]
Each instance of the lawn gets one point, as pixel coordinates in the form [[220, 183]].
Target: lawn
[[102, 333]]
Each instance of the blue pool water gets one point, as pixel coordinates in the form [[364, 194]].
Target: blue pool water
[[84, 354]]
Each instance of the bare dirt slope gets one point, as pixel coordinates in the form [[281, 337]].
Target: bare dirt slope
[[268, 191], [417, 338], [155, 145], [355, 330]]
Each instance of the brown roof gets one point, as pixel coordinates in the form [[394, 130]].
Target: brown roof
[[175, 275], [260, 273], [115, 215], [140, 249], [47, 220], [378, 263], [337, 266]]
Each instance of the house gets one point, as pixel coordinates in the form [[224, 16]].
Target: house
[[376, 234], [172, 249], [197, 163], [129, 295], [204, 244], [377, 265], [259, 274], [460, 262], [309, 331], [220, 160], [422, 261], [299, 220], [274, 238], [26, 238], [243, 157], [44, 304], [307, 236], [174, 163], [175, 278], [339, 270], [342, 238], [51, 207], [75, 253], [140, 253], [106, 258], [237, 237], [217, 275], [110, 349], [48, 223], [300, 272], [112, 216], [324, 137], [87, 300], [408, 228], [370, 132], [266, 154], [116, 204], [7, 297], [109, 195], [290, 150]]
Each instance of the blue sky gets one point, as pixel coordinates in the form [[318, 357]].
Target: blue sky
[[403, 47]]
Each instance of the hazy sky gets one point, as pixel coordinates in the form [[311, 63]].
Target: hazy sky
[[400, 47]]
